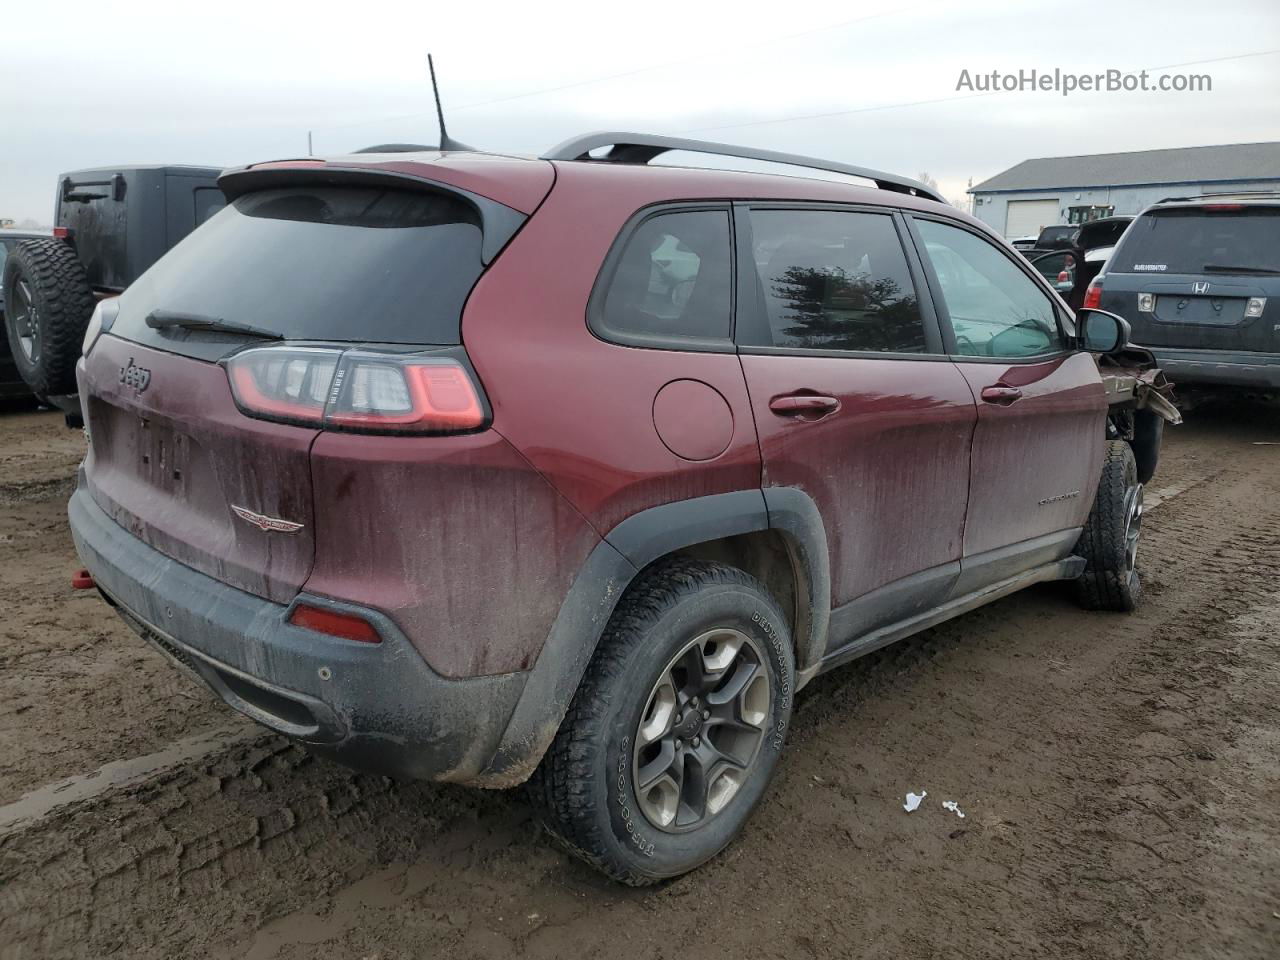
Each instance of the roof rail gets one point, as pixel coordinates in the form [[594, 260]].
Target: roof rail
[[1224, 194], [640, 148]]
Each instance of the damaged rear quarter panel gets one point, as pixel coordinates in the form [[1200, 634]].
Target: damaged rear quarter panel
[[456, 538]]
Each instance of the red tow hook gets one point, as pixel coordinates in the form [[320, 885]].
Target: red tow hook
[[82, 580]]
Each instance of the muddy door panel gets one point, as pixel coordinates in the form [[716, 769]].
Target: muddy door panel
[[888, 466], [1037, 451]]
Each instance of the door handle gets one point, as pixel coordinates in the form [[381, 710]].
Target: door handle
[[1001, 394], [804, 405]]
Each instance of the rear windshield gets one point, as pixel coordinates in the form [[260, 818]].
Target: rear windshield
[[1189, 240], [322, 263]]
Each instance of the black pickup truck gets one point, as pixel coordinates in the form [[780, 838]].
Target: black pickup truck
[[111, 224]]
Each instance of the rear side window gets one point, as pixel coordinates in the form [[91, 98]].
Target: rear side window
[[673, 280], [1202, 241], [362, 264], [831, 280]]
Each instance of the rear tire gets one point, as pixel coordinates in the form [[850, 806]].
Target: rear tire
[[689, 695], [48, 303], [1109, 542]]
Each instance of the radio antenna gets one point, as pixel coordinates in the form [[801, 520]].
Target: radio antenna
[[446, 142]]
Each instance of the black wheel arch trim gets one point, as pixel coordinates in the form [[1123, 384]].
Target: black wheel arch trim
[[626, 550]]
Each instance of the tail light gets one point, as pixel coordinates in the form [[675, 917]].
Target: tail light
[[1093, 294], [357, 390], [335, 623]]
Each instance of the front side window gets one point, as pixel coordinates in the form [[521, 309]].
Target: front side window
[[996, 309], [673, 279], [832, 280]]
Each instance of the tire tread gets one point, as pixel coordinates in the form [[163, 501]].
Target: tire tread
[[562, 785], [1103, 585], [64, 301]]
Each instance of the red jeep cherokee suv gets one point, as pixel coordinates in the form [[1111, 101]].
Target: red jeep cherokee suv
[[476, 468]]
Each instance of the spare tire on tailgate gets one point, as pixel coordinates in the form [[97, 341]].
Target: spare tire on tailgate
[[48, 302]]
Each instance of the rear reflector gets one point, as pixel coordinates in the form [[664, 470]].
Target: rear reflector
[[61, 233], [334, 623], [359, 390]]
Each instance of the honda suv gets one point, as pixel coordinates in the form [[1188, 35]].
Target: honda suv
[[1199, 281], [482, 469]]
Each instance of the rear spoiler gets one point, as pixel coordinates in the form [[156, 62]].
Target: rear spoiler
[[498, 222]]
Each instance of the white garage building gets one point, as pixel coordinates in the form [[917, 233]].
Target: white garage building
[[1037, 193]]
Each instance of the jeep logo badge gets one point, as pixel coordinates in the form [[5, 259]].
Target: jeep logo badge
[[1200, 286], [132, 375]]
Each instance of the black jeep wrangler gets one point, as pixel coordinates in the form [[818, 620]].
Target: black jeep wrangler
[[111, 224]]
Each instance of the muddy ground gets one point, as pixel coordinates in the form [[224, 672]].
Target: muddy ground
[[1119, 776]]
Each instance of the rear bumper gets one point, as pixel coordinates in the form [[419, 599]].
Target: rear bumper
[[377, 707], [1234, 368]]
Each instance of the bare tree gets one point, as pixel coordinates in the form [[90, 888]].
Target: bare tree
[[932, 184]]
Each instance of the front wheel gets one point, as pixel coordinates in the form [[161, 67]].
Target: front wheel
[[674, 734], [1109, 542]]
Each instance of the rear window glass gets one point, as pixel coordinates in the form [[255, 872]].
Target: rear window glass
[[326, 263], [1201, 241], [673, 280], [834, 281]]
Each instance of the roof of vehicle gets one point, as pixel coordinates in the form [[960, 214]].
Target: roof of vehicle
[[185, 169], [521, 182], [1261, 198]]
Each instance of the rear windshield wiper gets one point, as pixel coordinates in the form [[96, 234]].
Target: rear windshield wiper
[[163, 319], [1227, 268]]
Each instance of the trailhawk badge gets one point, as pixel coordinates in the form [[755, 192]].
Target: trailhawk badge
[[263, 522]]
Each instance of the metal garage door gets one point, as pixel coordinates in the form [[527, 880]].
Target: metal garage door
[[1024, 218]]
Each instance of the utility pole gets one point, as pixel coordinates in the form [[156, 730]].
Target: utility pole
[[310, 152]]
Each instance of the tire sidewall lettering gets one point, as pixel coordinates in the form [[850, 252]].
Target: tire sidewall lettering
[[779, 733]]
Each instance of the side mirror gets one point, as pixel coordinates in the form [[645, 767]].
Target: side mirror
[[1102, 332]]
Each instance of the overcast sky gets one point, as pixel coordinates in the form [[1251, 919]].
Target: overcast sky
[[89, 84]]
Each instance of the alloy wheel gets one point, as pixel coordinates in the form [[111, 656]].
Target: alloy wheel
[[26, 323], [701, 730], [1132, 526]]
